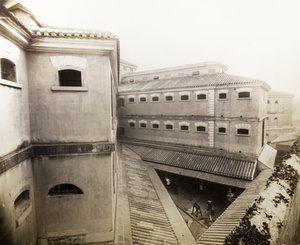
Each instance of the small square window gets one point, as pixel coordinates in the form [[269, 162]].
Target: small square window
[[70, 78], [222, 96], [155, 77], [131, 124], [201, 97], [143, 99], [131, 100]]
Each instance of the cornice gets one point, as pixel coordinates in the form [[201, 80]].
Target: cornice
[[44, 44], [13, 32]]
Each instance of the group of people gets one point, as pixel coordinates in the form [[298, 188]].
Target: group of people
[[172, 184]]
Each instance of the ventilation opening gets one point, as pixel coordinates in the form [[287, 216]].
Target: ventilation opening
[[64, 189], [70, 78]]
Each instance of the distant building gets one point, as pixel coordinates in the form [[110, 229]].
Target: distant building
[[57, 127], [198, 106], [280, 114]]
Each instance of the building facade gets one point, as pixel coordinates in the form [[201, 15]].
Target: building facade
[[57, 158], [198, 105], [280, 114]]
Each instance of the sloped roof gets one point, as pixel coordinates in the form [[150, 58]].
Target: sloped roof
[[190, 82], [223, 166], [279, 93]]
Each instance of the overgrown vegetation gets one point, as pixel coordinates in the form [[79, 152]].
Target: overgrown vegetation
[[284, 176]]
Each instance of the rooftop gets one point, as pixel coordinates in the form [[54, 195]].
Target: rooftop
[[207, 80]]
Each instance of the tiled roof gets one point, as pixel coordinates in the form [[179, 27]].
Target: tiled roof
[[279, 93], [189, 82], [205, 163], [72, 33]]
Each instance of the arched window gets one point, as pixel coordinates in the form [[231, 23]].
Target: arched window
[[201, 97], [131, 124], [64, 189], [143, 99], [21, 203], [143, 125], [155, 125], [131, 100], [201, 129], [184, 97], [244, 94], [169, 98], [70, 78], [8, 70], [222, 130], [184, 128], [243, 131], [222, 96], [169, 126], [155, 98]]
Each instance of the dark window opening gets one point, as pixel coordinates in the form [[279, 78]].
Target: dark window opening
[[70, 78], [243, 131], [169, 98], [275, 118], [143, 99], [155, 98], [132, 124], [8, 70], [184, 97], [121, 102], [155, 125], [268, 102], [131, 80], [201, 96], [276, 102], [222, 130], [244, 95], [222, 96], [64, 189], [184, 127], [156, 78], [121, 131], [143, 125], [169, 126], [131, 99], [201, 129], [21, 203]]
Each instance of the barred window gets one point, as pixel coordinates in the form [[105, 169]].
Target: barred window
[[70, 78]]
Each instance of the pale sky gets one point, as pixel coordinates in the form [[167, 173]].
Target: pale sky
[[255, 38]]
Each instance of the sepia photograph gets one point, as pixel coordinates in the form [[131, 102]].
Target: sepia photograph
[[138, 122]]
